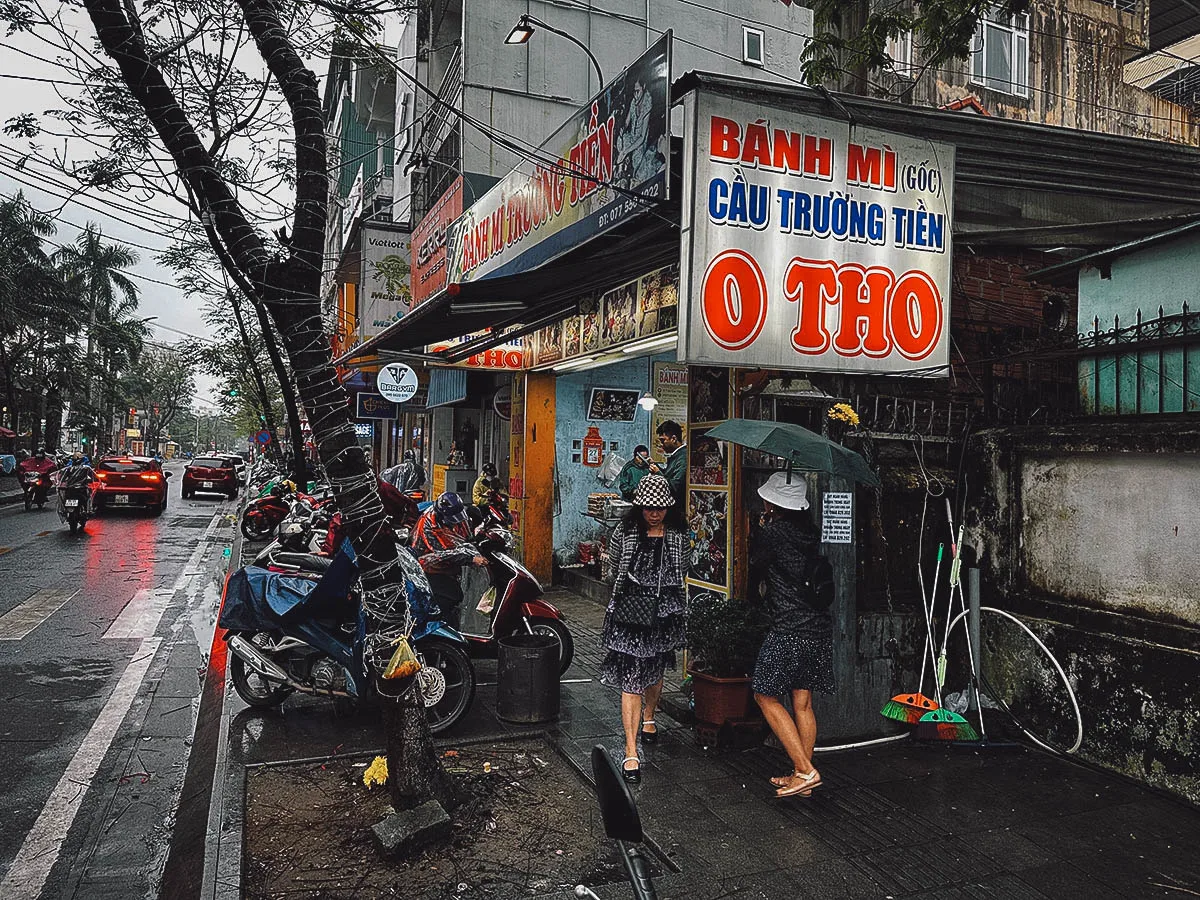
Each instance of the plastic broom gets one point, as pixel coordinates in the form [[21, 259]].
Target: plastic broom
[[943, 724], [909, 708]]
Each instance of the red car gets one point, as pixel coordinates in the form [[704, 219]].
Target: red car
[[210, 475], [130, 481]]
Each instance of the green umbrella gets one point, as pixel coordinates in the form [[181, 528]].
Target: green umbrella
[[803, 449]]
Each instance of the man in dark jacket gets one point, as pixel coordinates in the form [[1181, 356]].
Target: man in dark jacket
[[670, 439]]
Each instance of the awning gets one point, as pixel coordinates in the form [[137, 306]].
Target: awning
[[552, 290], [446, 386]]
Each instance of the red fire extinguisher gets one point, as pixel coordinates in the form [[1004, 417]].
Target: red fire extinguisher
[[593, 447]]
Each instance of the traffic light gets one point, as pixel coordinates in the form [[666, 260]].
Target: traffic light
[[233, 392], [132, 411]]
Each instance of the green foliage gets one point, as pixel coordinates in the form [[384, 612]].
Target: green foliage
[[851, 38], [722, 635]]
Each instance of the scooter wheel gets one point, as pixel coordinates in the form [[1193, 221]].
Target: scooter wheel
[[559, 631], [256, 528], [253, 688], [447, 680]]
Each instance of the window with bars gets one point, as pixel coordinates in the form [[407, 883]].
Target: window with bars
[[1000, 54], [899, 48]]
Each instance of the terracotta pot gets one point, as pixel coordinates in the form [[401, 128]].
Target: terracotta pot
[[721, 699]]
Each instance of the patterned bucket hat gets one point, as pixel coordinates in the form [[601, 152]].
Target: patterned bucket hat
[[653, 491]]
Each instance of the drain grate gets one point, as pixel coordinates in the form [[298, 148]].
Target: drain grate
[[190, 522]]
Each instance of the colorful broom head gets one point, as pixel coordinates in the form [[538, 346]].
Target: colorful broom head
[[944, 725], [908, 708]]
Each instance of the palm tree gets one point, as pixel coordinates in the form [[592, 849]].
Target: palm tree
[[94, 270], [26, 280]]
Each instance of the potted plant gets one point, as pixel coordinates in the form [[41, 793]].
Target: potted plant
[[723, 642]]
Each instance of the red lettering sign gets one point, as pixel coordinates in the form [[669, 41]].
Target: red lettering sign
[[734, 300]]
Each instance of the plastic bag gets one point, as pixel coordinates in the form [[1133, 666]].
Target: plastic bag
[[611, 468], [403, 662], [487, 602]]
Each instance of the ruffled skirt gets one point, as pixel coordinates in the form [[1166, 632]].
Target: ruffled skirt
[[637, 657]]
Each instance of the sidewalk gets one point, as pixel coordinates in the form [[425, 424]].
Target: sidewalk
[[899, 820]]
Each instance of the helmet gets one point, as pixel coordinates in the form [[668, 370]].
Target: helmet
[[449, 510], [77, 456], [41, 453], [410, 455], [489, 469]]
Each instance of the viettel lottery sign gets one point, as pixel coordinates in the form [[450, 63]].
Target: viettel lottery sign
[[810, 243]]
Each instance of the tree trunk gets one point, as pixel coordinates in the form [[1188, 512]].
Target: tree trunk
[[415, 774], [259, 382], [299, 466]]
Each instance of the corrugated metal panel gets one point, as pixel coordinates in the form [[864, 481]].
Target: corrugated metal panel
[[446, 386]]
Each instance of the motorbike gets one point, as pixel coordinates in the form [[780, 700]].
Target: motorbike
[[36, 486], [74, 501], [622, 824], [263, 515], [300, 626], [517, 606]]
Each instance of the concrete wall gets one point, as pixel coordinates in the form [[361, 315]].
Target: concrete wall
[[1164, 274], [1119, 531], [1077, 50], [530, 90], [1088, 534]]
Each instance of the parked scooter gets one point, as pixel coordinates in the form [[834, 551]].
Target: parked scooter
[[301, 627], [517, 604], [263, 515], [622, 824], [36, 486]]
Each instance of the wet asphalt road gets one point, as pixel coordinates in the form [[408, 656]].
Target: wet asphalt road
[[100, 694]]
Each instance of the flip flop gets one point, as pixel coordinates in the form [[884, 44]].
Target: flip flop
[[802, 789]]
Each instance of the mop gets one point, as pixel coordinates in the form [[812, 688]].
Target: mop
[[943, 724], [909, 708]]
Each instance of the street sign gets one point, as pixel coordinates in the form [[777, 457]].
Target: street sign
[[263, 437], [397, 382], [374, 406]]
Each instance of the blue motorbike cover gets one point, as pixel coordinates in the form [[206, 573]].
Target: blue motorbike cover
[[258, 599]]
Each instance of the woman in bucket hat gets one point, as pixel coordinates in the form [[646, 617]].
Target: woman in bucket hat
[[797, 654], [644, 625]]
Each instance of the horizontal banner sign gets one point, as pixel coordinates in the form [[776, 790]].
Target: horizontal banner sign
[[375, 406], [813, 244], [581, 182]]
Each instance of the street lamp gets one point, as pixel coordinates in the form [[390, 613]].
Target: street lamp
[[527, 25]]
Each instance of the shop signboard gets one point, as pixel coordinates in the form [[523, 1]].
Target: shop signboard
[[507, 357], [813, 243], [670, 388], [581, 182], [386, 294], [374, 406], [429, 244]]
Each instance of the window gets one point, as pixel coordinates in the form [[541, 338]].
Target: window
[[752, 46], [1000, 54], [899, 48]]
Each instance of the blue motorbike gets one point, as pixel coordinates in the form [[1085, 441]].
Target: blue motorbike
[[299, 626]]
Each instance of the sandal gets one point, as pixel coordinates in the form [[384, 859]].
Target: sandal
[[800, 785], [633, 776], [649, 737]]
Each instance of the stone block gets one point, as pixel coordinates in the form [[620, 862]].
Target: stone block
[[403, 832]]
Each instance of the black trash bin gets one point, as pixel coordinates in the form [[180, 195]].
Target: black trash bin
[[527, 678]]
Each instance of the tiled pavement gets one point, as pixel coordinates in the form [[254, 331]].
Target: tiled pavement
[[899, 820]]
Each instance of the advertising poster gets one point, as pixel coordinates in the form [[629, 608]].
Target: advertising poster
[[708, 459], [386, 294], [708, 527], [813, 243], [538, 211], [429, 244], [658, 301], [670, 388], [710, 394]]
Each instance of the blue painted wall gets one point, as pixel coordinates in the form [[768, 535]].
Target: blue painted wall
[[575, 480], [1163, 274]]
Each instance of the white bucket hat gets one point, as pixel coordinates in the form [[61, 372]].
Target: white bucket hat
[[779, 493]]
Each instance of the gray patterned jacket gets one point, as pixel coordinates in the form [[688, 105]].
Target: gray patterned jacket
[[623, 544]]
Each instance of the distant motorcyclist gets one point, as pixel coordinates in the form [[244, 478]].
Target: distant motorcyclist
[[441, 541], [409, 475], [38, 464]]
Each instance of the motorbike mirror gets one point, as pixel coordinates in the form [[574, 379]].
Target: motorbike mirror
[[620, 814]]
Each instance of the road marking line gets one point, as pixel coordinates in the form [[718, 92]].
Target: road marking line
[[29, 871], [21, 620], [141, 615]]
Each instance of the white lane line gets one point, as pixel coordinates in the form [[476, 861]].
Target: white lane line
[[141, 615], [21, 620], [29, 871]]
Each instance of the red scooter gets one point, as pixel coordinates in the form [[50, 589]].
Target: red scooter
[[516, 605], [262, 516]]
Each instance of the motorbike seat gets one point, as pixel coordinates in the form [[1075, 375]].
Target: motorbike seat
[[305, 561]]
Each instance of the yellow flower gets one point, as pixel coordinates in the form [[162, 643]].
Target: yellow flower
[[843, 412], [376, 773]]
